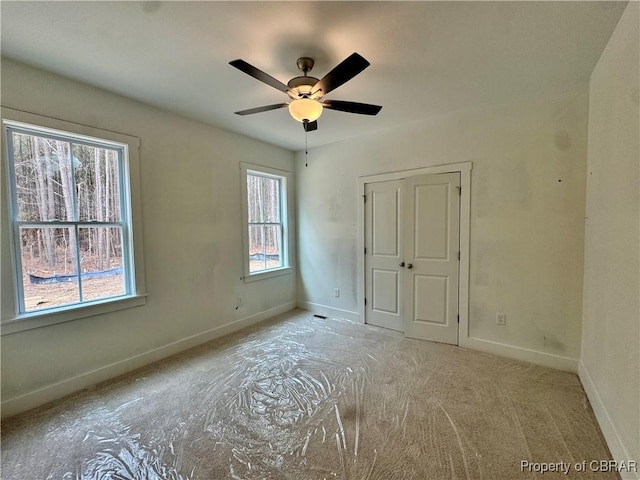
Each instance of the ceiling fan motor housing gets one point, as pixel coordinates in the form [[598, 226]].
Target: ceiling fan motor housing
[[303, 86]]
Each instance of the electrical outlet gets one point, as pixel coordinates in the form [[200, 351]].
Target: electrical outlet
[[501, 318], [336, 292]]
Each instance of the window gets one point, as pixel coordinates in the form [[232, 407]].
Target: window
[[266, 245], [71, 218]]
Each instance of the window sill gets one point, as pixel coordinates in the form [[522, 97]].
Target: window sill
[[267, 274], [31, 320]]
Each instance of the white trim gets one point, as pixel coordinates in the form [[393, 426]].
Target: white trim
[[60, 389], [264, 274], [464, 169], [29, 321], [609, 431], [328, 311], [532, 356], [12, 321], [286, 215], [433, 170], [43, 123]]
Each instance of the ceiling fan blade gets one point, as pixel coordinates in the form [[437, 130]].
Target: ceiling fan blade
[[310, 126], [266, 108], [342, 73], [352, 107], [259, 74]]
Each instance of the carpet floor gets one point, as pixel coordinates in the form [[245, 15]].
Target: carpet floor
[[299, 397]]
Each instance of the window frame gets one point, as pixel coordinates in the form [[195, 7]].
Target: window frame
[[285, 219], [15, 320]]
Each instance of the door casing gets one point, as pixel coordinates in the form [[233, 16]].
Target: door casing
[[465, 208]]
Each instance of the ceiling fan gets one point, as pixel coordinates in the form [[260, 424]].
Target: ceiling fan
[[307, 93]]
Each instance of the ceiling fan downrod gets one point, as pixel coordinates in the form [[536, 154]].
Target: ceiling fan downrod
[[302, 86]]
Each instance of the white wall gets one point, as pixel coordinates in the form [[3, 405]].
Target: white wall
[[527, 217], [610, 363], [192, 244]]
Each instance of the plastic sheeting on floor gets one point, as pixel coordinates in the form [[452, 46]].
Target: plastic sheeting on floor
[[306, 398]]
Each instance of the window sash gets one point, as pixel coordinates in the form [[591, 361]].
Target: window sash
[[281, 225], [261, 200], [83, 270], [123, 212], [72, 140], [280, 242]]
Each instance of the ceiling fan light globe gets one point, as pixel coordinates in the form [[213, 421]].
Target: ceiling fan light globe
[[305, 109]]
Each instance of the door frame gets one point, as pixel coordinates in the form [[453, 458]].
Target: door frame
[[464, 169]]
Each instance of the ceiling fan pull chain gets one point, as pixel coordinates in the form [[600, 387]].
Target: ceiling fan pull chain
[[306, 149]]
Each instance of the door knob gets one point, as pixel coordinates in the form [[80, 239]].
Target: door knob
[[402, 264], [409, 266]]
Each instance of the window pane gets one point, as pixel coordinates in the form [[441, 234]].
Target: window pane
[[263, 199], [98, 183], [257, 260], [273, 246], [49, 273], [44, 185], [101, 262], [271, 200], [265, 219], [254, 198]]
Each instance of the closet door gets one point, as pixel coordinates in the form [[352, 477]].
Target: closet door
[[431, 256], [383, 256]]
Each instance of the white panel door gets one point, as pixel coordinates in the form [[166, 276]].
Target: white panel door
[[383, 254], [431, 247]]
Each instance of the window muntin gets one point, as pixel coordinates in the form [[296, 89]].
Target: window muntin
[[70, 218], [265, 224]]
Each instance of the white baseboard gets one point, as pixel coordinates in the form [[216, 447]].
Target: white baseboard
[[329, 311], [616, 447], [63, 388], [533, 356]]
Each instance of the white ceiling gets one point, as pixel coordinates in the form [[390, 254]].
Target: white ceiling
[[427, 58]]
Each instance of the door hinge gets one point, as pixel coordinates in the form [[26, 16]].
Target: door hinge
[[365, 301], [458, 318], [364, 197], [365, 250], [458, 255], [459, 190]]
